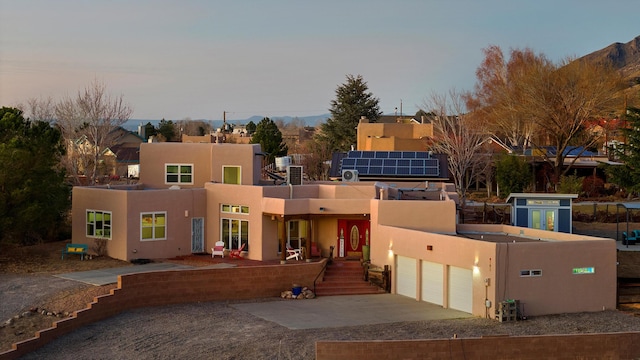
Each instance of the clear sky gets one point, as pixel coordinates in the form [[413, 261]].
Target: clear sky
[[189, 58]]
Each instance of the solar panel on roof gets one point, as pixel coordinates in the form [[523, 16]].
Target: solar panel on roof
[[391, 163], [348, 162]]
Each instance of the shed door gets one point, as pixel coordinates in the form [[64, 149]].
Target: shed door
[[432, 282], [406, 276], [460, 289]]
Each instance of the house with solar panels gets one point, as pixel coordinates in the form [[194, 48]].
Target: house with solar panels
[[192, 195]]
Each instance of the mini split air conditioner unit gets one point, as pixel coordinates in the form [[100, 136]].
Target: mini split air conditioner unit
[[294, 175], [349, 175]]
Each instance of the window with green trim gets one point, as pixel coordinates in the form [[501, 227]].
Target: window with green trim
[[231, 175], [99, 224], [153, 226], [179, 173]]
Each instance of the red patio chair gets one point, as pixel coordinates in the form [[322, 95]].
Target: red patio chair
[[236, 254]]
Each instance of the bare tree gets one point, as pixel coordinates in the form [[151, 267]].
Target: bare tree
[[499, 90], [316, 154], [533, 102], [458, 135], [39, 109], [87, 123], [191, 127], [565, 102]]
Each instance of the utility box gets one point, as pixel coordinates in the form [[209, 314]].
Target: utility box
[[507, 310]]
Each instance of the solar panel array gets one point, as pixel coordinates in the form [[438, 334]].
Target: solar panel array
[[392, 163]]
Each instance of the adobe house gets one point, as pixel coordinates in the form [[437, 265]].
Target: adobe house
[[399, 134], [192, 195]]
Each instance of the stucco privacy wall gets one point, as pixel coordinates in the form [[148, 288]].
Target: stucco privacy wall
[[177, 287], [181, 206], [559, 347]]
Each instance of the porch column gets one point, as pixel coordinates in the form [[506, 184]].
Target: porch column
[[283, 243]]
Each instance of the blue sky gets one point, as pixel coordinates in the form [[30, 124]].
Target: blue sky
[[188, 58]]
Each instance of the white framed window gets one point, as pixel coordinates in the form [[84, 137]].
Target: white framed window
[[231, 175], [99, 224], [234, 209], [179, 174], [530, 273], [153, 226], [234, 233]]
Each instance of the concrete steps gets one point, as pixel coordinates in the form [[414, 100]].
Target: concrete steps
[[345, 277]]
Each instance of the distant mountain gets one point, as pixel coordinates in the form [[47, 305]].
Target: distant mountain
[[624, 57], [313, 120]]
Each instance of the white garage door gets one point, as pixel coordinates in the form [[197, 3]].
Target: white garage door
[[406, 276], [432, 282], [460, 289]]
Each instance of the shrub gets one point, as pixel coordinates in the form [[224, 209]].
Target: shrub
[[593, 186]]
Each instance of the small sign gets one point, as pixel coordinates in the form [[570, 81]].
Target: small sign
[[584, 270]]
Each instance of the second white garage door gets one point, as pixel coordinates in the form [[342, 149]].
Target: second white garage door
[[406, 276], [460, 289], [432, 282]]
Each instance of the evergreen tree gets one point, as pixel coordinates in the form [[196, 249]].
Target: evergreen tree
[[627, 176], [352, 102], [167, 129], [33, 194], [513, 174], [269, 137], [251, 128]]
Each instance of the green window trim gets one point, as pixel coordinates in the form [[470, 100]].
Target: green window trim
[[231, 175]]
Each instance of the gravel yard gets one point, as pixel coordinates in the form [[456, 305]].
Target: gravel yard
[[219, 331]]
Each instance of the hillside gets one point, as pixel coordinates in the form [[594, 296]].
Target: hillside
[[626, 58]]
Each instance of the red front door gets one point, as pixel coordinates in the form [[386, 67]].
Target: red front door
[[352, 234]]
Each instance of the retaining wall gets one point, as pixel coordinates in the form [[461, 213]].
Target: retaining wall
[[176, 287], [558, 347]]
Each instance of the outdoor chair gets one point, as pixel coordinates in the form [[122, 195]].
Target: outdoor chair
[[237, 253], [628, 240], [218, 249], [293, 253]]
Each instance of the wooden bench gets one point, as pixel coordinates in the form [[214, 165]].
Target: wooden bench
[[79, 249]]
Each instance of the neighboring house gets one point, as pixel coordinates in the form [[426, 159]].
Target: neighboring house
[[191, 195], [114, 159], [400, 135]]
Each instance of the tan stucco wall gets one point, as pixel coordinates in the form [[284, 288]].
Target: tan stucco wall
[[126, 206], [207, 159], [433, 216], [250, 196], [556, 291], [393, 137]]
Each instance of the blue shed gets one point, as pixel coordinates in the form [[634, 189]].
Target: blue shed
[[550, 212]]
